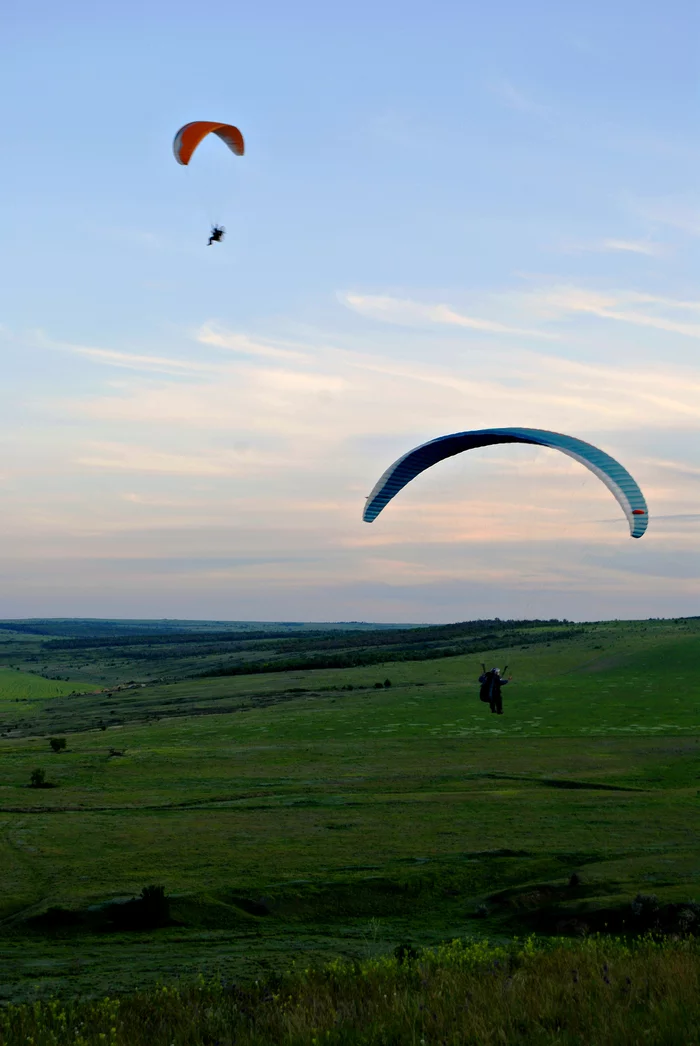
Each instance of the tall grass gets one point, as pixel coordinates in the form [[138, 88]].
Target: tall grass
[[598, 991]]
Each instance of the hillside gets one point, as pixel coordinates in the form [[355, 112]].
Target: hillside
[[306, 812]]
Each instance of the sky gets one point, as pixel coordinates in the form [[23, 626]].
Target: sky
[[450, 215]]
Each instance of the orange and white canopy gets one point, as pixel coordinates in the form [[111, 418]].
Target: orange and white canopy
[[188, 138]]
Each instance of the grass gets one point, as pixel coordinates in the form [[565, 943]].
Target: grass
[[18, 686], [350, 815], [600, 991]]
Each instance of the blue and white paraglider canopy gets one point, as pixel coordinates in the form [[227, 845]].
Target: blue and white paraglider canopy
[[616, 478]]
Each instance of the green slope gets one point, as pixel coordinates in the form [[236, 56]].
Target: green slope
[[335, 808]]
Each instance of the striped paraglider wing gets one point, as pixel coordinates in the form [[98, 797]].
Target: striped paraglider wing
[[616, 478]]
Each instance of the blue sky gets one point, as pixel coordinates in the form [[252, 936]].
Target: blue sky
[[449, 216]]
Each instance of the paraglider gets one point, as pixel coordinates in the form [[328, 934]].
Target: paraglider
[[188, 138], [607, 469], [490, 690]]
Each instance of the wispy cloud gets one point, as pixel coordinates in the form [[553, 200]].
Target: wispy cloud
[[515, 98], [678, 212], [610, 246], [681, 517], [123, 457], [632, 247], [680, 467], [270, 446], [552, 304], [561, 300], [339, 394], [126, 360], [410, 313], [241, 343]]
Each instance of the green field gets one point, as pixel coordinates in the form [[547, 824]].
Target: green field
[[287, 815], [18, 687]]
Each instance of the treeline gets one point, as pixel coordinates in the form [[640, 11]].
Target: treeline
[[215, 642], [219, 653], [242, 640], [362, 656]]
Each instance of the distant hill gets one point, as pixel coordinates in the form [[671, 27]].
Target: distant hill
[[87, 626]]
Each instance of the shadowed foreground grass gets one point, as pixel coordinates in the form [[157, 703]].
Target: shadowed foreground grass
[[596, 991]]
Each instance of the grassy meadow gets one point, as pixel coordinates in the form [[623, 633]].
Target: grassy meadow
[[312, 815], [600, 991]]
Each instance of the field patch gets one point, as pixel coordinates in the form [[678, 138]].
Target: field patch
[[20, 687]]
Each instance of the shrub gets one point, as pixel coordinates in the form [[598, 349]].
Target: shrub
[[37, 779], [147, 912], [645, 904], [688, 920], [405, 953], [387, 682], [58, 744], [646, 910]]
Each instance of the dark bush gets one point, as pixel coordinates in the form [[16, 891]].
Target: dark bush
[[646, 910], [147, 912], [645, 904], [387, 682], [405, 953], [688, 918], [37, 779], [58, 744]]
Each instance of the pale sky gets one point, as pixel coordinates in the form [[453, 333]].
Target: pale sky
[[450, 216]]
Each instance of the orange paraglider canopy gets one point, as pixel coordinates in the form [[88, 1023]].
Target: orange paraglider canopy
[[188, 138]]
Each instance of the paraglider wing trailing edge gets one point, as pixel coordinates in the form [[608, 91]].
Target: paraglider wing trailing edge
[[616, 478], [188, 138]]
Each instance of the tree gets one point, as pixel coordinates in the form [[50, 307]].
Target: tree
[[58, 744], [37, 779]]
